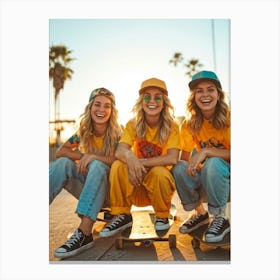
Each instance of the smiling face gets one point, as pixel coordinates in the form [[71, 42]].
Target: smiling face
[[206, 97], [152, 101], [101, 109]]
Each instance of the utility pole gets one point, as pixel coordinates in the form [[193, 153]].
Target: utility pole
[[213, 43]]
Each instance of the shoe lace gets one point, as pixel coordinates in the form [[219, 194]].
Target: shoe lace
[[74, 239], [193, 219], [216, 225], [119, 219]]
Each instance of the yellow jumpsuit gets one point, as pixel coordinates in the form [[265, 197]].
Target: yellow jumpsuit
[[158, 186]]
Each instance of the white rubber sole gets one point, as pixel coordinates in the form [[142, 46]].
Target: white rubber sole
[[113, 232], [214, 239], [63, 255]]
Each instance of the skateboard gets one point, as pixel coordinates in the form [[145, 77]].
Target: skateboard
[[198, 238], [143, 229]]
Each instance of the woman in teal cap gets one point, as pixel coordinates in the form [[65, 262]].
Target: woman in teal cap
[[83, 167], [204, 167]]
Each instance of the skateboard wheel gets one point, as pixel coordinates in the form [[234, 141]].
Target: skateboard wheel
[[195, 243], [147, 243], [172, 240], [118, 243]]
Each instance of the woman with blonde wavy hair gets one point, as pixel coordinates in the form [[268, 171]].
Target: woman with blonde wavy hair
[[83, 167], [148, 148], [205, 158]]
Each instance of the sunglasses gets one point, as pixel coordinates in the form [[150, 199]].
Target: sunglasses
[[100, 91], [148, 98]]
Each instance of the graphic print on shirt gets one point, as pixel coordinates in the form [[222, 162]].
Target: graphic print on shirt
[[210, 143], [148, 149], [74, 141]]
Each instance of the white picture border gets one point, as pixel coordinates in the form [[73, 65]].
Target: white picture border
[[255, 134]]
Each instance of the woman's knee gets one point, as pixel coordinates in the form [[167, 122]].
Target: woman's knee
[[62, 163], [215, 176], [118, 171], [159, 171], [118, 166], [98, 165], [160, 176], [179, 169], [215, 166]]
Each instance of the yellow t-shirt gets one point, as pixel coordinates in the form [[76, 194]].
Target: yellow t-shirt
[[208, 136], [150, 146]]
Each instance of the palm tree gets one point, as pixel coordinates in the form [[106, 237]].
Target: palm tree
[[192, 65], [177, 58], [59, 72]]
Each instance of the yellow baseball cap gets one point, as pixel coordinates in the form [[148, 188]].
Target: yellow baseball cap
[[153, 82]]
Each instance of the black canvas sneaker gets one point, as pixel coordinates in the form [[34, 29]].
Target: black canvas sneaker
[[218, 229], [195, 221], [77, 243], [119, 223]]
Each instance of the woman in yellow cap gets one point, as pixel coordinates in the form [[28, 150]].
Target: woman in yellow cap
[[205, 165], [148, 148], [83, 167]]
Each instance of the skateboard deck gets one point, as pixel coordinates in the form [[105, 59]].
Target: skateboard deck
[[199, 238], [143, 229]]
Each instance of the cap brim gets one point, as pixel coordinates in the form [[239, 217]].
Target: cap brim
[[193, 84], [160, 88]]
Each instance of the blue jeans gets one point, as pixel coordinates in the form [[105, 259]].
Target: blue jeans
[[91, 189], [212, 183]]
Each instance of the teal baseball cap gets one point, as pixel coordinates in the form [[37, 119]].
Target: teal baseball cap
[[204, 75]]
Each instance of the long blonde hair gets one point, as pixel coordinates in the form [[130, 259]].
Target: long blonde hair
[[165, 123], [221, 119], [86, 128]]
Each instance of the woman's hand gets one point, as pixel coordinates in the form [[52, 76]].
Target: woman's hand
[[82, 165], [195, 163], [136, 170]]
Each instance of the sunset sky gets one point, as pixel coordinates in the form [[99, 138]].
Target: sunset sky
[[120, 53]]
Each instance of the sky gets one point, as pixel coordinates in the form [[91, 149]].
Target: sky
[[24, 116], [120, 53]]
